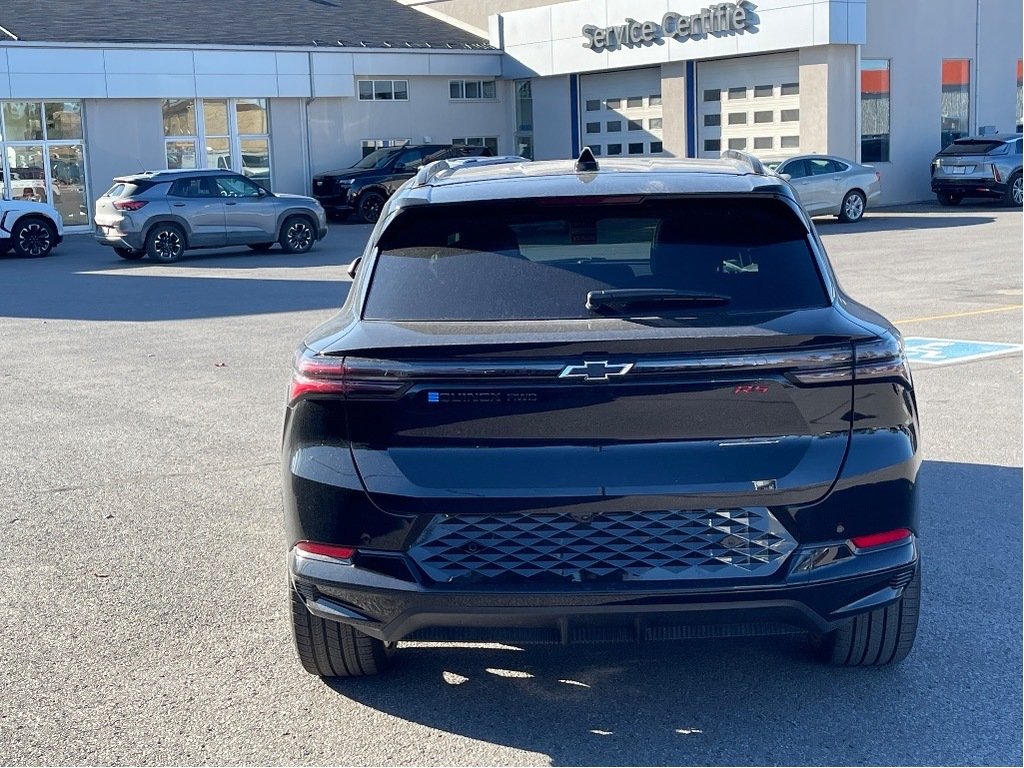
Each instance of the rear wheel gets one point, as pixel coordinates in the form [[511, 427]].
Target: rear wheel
[[1015, 191], [129, 253], [852, 208], [330, 649], [947, 198], [370, 206], [261, 247], [33, 237], [884, 636], [297, 234], [165, 243]]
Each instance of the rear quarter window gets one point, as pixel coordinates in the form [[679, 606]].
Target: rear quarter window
[[538, 259]]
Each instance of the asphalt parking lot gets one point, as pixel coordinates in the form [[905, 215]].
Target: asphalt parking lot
[[142, 578]]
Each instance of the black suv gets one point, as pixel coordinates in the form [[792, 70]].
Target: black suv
[[567, 403], [366, 186]]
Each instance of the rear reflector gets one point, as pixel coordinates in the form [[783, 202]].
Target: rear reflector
[[327, 550], [878, 539]]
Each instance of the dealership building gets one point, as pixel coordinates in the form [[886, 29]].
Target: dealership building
[[283, 89]]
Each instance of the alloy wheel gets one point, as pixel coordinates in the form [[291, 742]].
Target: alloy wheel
[[1018, 191], [34, 239], [167, 245], [854, 207], [299, 236]]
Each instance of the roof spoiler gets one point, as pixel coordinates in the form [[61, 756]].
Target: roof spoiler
[[755, 165]]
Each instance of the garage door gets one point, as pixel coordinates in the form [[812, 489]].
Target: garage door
[[751, 103], [620, 112]]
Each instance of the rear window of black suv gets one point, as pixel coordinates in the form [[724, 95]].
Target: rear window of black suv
[[540, 259]]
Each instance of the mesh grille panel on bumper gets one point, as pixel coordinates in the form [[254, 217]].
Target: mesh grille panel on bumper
[[621, 546]]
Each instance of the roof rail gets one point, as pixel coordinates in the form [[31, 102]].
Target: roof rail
[[428, 173], [756, 166]]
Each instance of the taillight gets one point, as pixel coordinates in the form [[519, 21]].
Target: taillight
[[315, 374], [880, 539], [876, 360], [326, 550], [129, 205], [881, 360], [996, 174]]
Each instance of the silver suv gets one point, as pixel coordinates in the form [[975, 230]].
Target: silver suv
[[981, 166], [162, 214]]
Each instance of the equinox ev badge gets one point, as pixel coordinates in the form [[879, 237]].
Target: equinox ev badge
[[595, 371]]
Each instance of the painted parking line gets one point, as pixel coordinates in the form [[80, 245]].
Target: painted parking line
[[969, 313], [922, 349]]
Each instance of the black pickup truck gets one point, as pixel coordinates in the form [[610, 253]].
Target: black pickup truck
[[365, 187]]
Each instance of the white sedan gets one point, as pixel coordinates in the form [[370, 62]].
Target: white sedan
[[829, 185]]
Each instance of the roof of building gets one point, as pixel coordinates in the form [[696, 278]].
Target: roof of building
[[330, 23]]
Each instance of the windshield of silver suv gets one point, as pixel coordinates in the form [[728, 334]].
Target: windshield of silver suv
[[570, 259]]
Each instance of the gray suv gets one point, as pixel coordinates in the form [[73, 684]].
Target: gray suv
[[980, 166], [162, 214]]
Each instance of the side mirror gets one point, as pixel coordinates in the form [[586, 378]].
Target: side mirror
[[261, 192], [785, 176], [352, 268]]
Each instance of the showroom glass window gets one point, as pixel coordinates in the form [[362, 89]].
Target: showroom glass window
[[956, 100], [43, 152], [231, 134], [874, 111], [524, 118]]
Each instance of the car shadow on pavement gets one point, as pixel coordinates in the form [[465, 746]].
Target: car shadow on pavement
[[955, 700], [884, 221], [142, 298]]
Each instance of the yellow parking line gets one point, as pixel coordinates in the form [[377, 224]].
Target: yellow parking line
[[960, 314]]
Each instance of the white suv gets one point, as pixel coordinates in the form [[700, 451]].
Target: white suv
[[28, 228]]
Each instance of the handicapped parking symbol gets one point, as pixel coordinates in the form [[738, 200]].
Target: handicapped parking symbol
[[931, 351]]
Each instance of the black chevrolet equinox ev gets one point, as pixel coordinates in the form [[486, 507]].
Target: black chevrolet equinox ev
[[568, 402]]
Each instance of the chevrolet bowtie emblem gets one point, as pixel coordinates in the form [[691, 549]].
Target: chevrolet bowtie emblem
[[595, 371]]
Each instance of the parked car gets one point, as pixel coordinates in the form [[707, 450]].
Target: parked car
[[830, 185], [567, 401], [164, 213], [365, 187], [980, 166], [29, 228]]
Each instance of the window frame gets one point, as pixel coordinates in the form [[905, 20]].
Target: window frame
[[373, 90], [462, 83]]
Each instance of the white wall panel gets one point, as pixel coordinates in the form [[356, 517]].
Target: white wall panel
[[236, 85], [57, 86], [391, 64], [55, 61], [235, 63], [130, 86], [294, 85], [292, 63], [148, 62], [5, 80], [461, 64]]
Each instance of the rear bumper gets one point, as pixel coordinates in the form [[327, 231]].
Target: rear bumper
[[804, 599], [117, 239], [969, 187]]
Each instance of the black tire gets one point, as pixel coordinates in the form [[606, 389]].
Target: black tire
[[261, 247], [853, 207], [883, 636], [129, 253], [6, 248], [948, 198], [298, 233], [165, 243], [370, 206], [33, 237], [330, 649], [1014, 192]]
